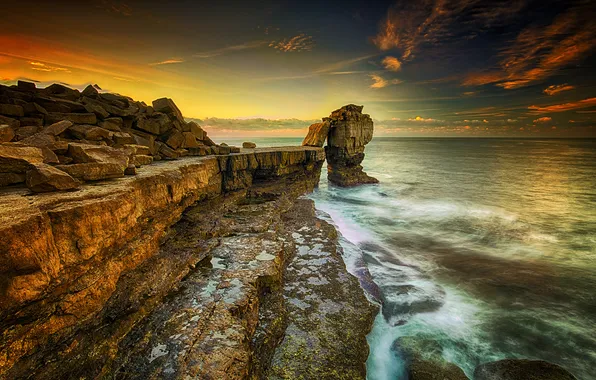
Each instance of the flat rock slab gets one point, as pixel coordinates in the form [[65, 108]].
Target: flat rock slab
[[328, 314]]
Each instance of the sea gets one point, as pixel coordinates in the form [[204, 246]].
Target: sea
[[485, 246]]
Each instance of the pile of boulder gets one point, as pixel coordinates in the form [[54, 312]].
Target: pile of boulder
[[347, 130], [54, 138]]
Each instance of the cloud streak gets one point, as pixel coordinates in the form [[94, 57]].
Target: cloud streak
[[557, 88], [298, 43], [230, 49], [589, 102], [167, 62]]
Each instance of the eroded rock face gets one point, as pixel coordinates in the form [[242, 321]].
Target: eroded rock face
[[515, 369], [79, 271], [347, 130], [350, 131]]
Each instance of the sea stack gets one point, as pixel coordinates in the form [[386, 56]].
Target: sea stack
[[347, 131]]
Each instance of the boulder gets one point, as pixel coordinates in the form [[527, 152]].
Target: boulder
[[138, 149], [32, 120], [317, 134], [165, 151], [51, 104], [122, 138], [6, 133], [85, 153], [17, 159], [24, 132], [96, 109], [423, 360], [4, 120], [43, 178], [11, 110], [49, 157], [60, 91], [75, 118], [174, 138], [113, 124], [93, 171], [234, 149], [57, 128], [90, 91], [89, 132], [26, 86], [145, 139], [39, 140], [196, 130], [140, 160], [167, 106], [157, 124], [517, 369], [250, 145], [130, 170], [190, 140], [34, 109], [7, 179]]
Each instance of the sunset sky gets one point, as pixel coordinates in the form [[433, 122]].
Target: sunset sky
[[420, 68]]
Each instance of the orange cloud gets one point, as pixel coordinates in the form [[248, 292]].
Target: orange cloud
[[545, 119], [590, 102], [380, 82], [392, 63], [556, 88], [167, 62], [40, 66], [301, 42], [479, 79]]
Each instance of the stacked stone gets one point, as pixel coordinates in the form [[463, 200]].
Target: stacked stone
[[55, 137], [347, 130]]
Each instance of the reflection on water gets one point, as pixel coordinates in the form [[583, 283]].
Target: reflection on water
[[487, 246]]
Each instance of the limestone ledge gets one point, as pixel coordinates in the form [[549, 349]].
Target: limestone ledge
[[63, 254]]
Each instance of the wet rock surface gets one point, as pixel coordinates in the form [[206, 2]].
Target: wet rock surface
[[328, 315], [423, 360]]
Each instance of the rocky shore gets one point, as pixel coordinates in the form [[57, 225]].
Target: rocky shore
[[207, 267]]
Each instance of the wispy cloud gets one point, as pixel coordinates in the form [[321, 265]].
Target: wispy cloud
[[167, 62], [380, 82], [392, 63], [544, 119], [589, 102], [300, 42], [538, 52], [230, 49], [116, 7], [409, 25], [40, 66], [557, 88]]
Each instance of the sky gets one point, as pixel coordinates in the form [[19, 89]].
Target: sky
[[271, 68]]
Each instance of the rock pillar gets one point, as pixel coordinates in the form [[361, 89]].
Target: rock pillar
[[347, 131]]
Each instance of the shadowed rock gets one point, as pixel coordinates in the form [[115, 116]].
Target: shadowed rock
[[424, 360], [44, 178], [516, 369]]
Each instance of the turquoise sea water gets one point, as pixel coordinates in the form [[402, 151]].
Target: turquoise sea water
[[487, 246]]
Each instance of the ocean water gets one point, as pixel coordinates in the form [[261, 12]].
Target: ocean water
[[486, 246]]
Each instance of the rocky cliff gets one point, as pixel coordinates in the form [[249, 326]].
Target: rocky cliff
[[199, 267], [347, 130]]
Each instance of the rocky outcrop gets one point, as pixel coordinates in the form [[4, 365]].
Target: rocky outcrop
[[350, 131], [514, 369], [175, 272], [54, 117], [317, 134], [347, 130]]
